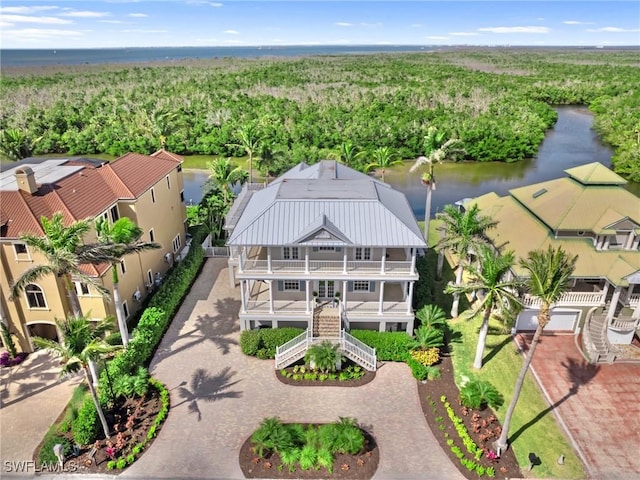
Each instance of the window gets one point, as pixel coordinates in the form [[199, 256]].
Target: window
[[149, 278], [153, 196], [168, 183], [177, 242], [125, 309], [179, 168], [104, 216], [81, 288], [290, 253], [114, 213], [123, 267], [21, 250], [35, 296], [290, 285], [182, 196], [327, 249], [360, 286], [152, 236], [363, 253]]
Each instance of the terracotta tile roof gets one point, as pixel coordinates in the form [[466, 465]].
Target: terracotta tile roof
[[94, 270], [85, 193]]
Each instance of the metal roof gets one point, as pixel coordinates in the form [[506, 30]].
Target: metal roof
[[47, 172], [327, 204]]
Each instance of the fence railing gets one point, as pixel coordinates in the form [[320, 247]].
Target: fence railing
[[570, 298]]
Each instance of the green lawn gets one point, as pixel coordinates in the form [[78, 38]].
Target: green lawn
[[533, 426]]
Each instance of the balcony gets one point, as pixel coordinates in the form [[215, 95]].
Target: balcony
[[322, 268], [571, 299]]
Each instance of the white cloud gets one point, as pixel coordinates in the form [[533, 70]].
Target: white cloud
[[343, 24], [464, 34], [437, 37], [34, 34], [138, 15], [613, 30], [85, 14], [32, 19], [530, 29], [231, 32], [577, 22], [142, 30], [384, 43], [112, 21], [27, 10], [203, 3]]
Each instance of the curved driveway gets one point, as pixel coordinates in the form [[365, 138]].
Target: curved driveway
[[219, 396]]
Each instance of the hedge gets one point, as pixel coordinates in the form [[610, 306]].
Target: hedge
[[390, 346], [262, 343], [85, 428], [156, 318]]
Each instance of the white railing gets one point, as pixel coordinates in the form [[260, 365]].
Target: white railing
[[280, 306], [216, 252], [585, 299], [634, 300], [352, 348], [261, 266], [357, 308]]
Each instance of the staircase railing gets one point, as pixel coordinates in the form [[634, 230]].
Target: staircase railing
[[364, 354]]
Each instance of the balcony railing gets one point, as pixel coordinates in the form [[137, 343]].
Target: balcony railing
[[322, 267], [578, 299], [353, 308], [634, 300]]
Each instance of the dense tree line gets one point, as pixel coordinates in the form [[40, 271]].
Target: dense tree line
[[496, 101]]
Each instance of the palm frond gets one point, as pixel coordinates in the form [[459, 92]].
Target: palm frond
[[30, 276]]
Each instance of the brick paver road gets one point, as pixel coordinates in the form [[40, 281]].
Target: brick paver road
[[219, 396]]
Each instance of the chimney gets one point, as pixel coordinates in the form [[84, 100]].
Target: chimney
[[26, 180]]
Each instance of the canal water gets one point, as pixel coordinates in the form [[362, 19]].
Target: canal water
[[570, 143]]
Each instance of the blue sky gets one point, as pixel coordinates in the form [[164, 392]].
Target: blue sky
[[142, 23]]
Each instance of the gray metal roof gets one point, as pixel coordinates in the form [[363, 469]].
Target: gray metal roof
[[327, 204], [45, 172]]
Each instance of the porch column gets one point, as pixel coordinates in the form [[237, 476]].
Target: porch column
[[629, 242], [307, 296], [344, 261], [606, 242], [627, 297], [344, 295], [243, 297], [636, 242], [232, 277], [240, 259], [270, 295], [636, 312], [381, 301], [599, 241], [383, 261], [413, 260], [614, 303], [269, 260], [410, 299], [306, 260]]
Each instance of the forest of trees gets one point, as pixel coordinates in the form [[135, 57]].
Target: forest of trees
[[496, 101]]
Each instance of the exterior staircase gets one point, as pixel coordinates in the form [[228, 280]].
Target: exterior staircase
[[595, 340], [325, 326]]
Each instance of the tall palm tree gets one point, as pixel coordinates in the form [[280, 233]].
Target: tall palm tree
[[223, 175], [348, 154], [489, 280], [383, 158], [64, 251], [549, 277], [80, 345], [463, 232], [436, 150], [250, 140], [122, 235]]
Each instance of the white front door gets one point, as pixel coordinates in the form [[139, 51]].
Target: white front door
[[326, 289]]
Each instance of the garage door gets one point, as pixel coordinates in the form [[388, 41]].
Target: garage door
[[560, 320], [44, 330]]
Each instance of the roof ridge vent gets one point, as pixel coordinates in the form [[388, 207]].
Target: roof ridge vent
[[540, 192]]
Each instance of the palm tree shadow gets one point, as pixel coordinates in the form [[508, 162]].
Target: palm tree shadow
[[495, 349], [579, 373], [208, 388]]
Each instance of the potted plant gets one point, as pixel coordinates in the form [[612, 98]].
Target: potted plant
[[336, 299]]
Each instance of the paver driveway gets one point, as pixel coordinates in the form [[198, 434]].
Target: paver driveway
[[219, 396], [599, 404]]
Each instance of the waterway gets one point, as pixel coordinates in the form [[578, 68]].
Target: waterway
[[570, 143]]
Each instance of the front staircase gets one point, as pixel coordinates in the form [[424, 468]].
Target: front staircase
[[595, 341], [326, 326]]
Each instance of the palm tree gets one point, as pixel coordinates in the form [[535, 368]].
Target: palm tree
[[250, 141], [348, 154], [122, 233], [80, 345], [462, 233], [63, 249], [432, 316], [15, 144], [224, 176], [490, 282], [436, 150], [550, 273], [383, 158]]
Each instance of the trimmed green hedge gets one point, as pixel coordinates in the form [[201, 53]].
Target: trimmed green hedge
[[86, 426], [390, 346], [262, 343], [156, 318]]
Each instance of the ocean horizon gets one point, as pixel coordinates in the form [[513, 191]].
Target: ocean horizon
[[121, 55]]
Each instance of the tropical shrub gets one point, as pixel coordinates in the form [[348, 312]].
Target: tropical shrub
[[130, 386], [427, 357], [86, 426], [479, 393], [390, 346], [418, 370], [432, 316], [324, 357], [262, 343], [428, 338]]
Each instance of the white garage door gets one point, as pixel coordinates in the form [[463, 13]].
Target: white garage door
[[560, 320]]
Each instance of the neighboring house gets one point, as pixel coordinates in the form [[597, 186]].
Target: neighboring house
[[589, 214], [147, 189], [326, 248]]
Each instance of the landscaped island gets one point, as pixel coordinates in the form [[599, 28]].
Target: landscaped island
[[496, 101]]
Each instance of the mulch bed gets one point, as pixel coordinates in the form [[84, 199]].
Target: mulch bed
[[482, 425], [144, 411], [361, 466], [368, 377]]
